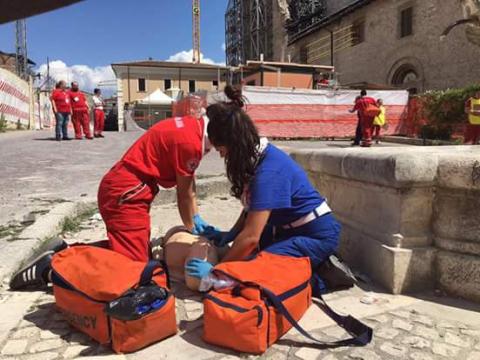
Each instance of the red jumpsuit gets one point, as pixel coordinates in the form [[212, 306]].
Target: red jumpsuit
[[173, 146], [98, 116], [367, 121], [80, 116]]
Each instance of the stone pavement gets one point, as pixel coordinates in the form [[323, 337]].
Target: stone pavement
[[421, 327]]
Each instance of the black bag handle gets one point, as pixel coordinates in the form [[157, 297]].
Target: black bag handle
[[361, 333], [148, 271]]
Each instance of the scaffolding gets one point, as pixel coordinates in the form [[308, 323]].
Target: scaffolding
[[248, 31], [304, 14], [21, 58]]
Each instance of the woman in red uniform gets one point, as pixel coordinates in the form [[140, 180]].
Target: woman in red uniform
[[167, 155]]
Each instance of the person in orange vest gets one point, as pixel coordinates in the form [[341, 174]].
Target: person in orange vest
[[472, 108], [99, 114], [62, 109], [80, 116]]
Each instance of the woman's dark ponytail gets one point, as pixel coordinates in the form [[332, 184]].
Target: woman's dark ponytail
[[231, 127], [235, 95]]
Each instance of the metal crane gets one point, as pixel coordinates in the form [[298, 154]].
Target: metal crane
[[196, 31]]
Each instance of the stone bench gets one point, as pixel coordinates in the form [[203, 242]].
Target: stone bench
[[410, 215]]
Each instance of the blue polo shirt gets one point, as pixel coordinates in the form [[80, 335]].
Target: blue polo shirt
[[282, 186]]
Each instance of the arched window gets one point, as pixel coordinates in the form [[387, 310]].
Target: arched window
[[405, 75]]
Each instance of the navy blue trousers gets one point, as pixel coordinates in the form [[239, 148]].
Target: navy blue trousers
[[316, 240]]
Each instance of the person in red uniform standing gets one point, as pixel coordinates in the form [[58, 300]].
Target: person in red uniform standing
[[80, 115], [62, 109], [366, 120], [99, 114], [167, 155]]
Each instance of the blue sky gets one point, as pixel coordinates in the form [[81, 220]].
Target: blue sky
[[95, 33]]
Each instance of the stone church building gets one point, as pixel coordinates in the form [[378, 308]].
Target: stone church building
[[389, 42]]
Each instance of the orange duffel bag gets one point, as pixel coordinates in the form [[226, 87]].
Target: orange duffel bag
[[89, 280], [272, 294]]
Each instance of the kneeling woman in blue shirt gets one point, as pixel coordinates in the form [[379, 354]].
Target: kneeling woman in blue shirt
[[283, 213]]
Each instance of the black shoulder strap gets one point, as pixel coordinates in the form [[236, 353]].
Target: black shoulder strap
[[361, 333], [148, 271]]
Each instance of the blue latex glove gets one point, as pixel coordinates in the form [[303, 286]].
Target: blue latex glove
[[198, 268], [201, 227], [220, 239]]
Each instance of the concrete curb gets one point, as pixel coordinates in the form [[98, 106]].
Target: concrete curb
[[32, 239], [217, 185], [416, 141]]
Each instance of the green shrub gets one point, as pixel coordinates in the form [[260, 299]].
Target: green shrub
[[444, 111]]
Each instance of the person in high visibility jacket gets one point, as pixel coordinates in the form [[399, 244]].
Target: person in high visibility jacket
[[379, 121], [283, 213], [80, 115], [98, 113], [472, 108]]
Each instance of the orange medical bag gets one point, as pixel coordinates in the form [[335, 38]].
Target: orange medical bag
[[86, 279], [272, 295]]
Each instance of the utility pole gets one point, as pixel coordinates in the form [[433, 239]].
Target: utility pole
[[196, 31], [21, 57]]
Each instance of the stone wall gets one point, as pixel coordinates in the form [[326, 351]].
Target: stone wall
[[410, 216], [453, 62]]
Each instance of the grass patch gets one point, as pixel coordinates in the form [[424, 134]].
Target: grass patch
[[10, 230], [73, 224]]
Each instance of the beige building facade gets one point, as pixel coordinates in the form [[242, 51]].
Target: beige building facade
[[137, 80], [394, 42]]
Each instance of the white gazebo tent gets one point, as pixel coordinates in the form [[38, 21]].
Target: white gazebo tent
[[153, 108], [158, 97]]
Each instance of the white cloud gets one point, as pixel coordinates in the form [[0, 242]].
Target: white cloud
[[88, 78], [224, 47], [187, 56]]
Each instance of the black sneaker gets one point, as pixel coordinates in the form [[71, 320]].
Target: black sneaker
[[34, 274]]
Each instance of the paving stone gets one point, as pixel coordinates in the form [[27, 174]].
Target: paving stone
[[445, 350], [193, 315], [14, 347], [308, 354], [443, 324], [335, 332], [364, 354], [420, 356], [47, 334], [456, 340], [46, 345], [75, 351], [403, 325], [379, 318], [393, 349], [273, 355], [416, 342], [473, 333], [386, 333], [193, 306], [41, 356], [423, 319], [426, 332], [474, 355], [330, 357], [402, 313], [109, 357], [25, 333], [477, 347]]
